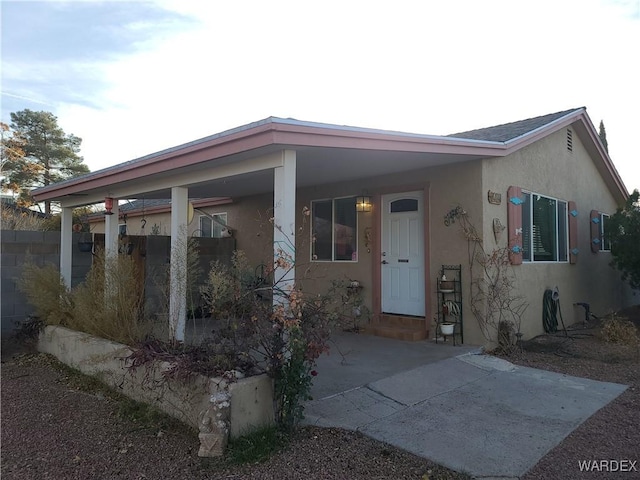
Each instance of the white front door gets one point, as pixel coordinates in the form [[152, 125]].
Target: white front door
[[403, 254]]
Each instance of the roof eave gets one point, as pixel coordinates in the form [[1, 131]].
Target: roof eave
[[269, 132], [580, 118]]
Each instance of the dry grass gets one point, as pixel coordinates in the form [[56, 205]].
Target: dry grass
[[619, 330], [109, 304], [13, 219], [47, 293]]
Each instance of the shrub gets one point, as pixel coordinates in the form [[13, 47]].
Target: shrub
[[255, 334], [16, 218], [619, 330], [109, 303], [47, 293], [256, 446], [282, 340]]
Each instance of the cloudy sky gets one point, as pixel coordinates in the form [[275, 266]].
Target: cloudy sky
[[131, 78]]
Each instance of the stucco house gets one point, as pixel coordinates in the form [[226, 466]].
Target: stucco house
[[377, 203]]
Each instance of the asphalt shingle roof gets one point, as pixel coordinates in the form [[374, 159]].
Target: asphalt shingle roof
[[509, 131], [146, 203]]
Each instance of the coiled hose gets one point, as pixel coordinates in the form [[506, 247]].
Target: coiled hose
[[550, 311]]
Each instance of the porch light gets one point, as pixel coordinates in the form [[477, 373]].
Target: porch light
[[108, 205], [363, 204]]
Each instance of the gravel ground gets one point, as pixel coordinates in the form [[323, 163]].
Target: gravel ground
[[54, 427], [613, 433]]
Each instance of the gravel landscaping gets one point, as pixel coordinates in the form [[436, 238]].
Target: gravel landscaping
[[58, 425]]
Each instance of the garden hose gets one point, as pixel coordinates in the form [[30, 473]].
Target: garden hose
[[550, 311], [452, 308]]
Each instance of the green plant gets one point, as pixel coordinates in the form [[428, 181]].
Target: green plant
[[293, 380], [282, 340], [256, 446], [254, 334], [623, 230], [143, 415]]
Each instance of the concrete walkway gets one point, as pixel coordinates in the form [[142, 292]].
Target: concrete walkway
[[470, 412]]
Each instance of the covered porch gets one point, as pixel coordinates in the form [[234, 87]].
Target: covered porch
[[278, 157]]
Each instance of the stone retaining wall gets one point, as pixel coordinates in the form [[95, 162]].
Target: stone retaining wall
[[251, 399]]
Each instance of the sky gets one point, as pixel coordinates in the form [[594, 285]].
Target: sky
[[131, 78]]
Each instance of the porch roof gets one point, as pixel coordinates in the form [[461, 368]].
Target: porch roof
[[237, 162]]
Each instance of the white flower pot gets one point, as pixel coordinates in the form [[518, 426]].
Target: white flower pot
[[446, 328]]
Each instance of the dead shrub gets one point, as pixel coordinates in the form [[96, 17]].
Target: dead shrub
[[22, 219], [619, 330], [110, 302], [47, 293]]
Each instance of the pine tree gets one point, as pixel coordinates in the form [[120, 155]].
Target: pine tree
[[50, 155], [603, 136], [11, 153]]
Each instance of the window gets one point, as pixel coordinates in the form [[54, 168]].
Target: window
[[544, 229], [334, 230], [213, 227], [404, 205], [605, 244]]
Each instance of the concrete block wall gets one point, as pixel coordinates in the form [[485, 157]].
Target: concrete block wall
[[19, 247], [157, 261]]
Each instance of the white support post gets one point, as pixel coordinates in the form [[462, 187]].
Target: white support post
[[178, 269], [66, 245], [284, 223], [111, 231]]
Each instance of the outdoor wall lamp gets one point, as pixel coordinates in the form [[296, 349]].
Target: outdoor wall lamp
[[363, 204], [108, 205]]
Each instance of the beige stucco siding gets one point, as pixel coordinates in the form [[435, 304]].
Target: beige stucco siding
[[316, 276], [548, 168], [445, 188], [545, 167]]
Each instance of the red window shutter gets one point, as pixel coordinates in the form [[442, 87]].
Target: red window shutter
[[573, 233], [514, 224], [594, 223]]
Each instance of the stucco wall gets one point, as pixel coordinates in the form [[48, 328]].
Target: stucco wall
[[544, 167], [548, 168], [445, 188]]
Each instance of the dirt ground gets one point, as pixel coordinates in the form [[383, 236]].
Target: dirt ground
[[52, 429]]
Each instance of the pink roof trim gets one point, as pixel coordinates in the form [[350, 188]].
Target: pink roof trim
[[293, 133]]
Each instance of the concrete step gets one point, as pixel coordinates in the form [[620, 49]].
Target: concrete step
[[398, 327], [397, 333], [385, 319]]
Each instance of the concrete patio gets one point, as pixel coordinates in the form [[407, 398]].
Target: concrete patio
[[467, 411]]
